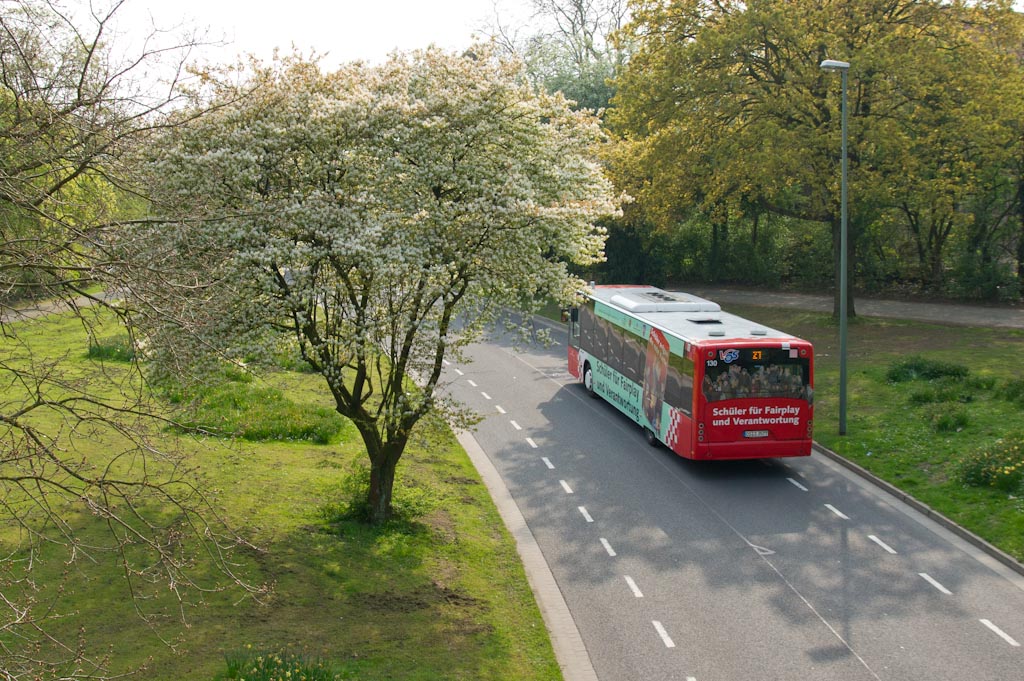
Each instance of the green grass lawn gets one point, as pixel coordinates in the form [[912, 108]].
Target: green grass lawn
[[918, 434], [440, 593]]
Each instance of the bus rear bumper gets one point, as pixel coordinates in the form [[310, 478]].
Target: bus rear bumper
[[753, 449]]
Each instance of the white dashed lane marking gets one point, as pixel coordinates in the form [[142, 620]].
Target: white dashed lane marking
[[881, 543], [837, 511], [926, 577], [633, 587], [797, 484], [1002, 634], [665, 638]]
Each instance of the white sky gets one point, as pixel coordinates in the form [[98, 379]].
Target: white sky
[[346, 30]]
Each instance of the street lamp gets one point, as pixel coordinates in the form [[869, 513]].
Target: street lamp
[[843, 68]]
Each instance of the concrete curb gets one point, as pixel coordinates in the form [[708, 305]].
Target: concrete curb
[[925, 510], [570, 651]]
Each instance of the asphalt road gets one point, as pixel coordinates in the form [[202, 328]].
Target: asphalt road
[[782, 569]]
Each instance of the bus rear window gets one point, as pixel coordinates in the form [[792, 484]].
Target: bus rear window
[[752, 373]]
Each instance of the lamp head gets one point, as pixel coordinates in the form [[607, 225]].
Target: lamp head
[[835, 65]]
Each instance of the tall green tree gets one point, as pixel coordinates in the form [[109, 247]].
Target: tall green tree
[[725, 110], [380, 217]]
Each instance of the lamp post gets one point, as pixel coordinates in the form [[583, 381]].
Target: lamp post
[[843, 68]]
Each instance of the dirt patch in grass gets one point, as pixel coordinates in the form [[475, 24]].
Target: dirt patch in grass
[[442, 523], [422, 597]]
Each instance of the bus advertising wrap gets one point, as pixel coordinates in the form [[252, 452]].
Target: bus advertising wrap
[[705, 383]]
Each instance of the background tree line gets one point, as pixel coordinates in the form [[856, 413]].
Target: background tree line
[[727, 136]]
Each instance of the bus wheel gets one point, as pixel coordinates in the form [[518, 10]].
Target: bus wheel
[[588, 380], [652, 439]]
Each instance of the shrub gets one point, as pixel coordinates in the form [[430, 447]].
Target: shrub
[[945, 390], [1012, 390], [923, 396], [1000, 466], [113, 349], [409, 501], [945, 418], [981, 382], [256, 666], [916, 367]]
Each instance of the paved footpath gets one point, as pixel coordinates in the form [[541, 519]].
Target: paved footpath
[[960, 314]]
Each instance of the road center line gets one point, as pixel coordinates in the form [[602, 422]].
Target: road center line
[[530, 442], [565, 486], [608, 547], [633, 587], [926, 577], [798, 485], [500, 410], [516, 425], [882, 544], [837, 511], [486, 396], [547, 462], [665, 638], [1002, 634], [472, 383], [586, 516]]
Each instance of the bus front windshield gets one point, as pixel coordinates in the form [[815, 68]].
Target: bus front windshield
[[756, 373]]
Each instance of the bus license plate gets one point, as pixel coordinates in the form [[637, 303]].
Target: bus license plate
[[755, 433]]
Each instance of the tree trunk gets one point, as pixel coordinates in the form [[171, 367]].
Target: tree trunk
[[719, 245], [1020, 235], [382, 483], [384, 456]]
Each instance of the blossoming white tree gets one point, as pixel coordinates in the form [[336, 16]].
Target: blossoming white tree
[[364, 211]]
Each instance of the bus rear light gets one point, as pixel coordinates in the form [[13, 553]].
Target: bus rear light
[[810, 429]]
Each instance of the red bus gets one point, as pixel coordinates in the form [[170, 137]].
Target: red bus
[[706, 383]]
